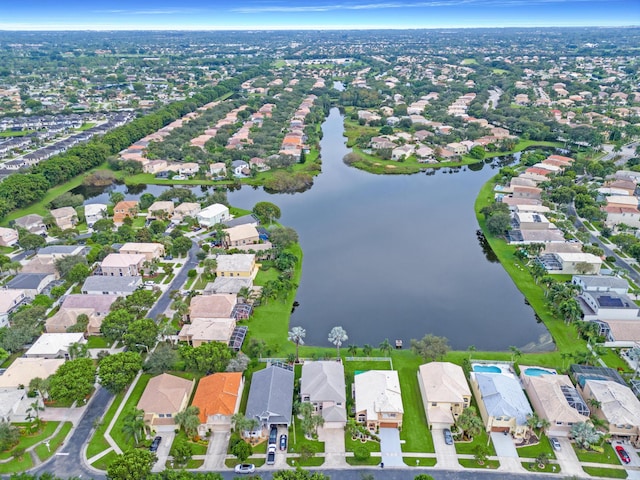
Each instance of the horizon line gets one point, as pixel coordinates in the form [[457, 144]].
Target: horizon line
[[300, 28]]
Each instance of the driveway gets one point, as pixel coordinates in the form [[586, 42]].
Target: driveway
[[217, 451], [506, 452], [163, 450], [446, 454], [390, 447], [567, 459], [334, 448]]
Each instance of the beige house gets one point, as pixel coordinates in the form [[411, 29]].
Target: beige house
[[8, 237], [207, 330], [149, 250], [218, 398], [212, 306], [65, 217], [23, 370], [241, 235], [378, 401], [124, 209], [619, 407], [555, 399], [32, 223], [160, 209], [163, 397], [237, 265], [122, 264], [96, 307], [9, 301], [445, 392], [322, 384], [186, 209], [155, 166], [577, 263]]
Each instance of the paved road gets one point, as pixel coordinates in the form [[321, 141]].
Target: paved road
[[66, 463], [164, 301]]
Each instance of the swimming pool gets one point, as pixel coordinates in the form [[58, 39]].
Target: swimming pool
[[536, 372], [487, 369]]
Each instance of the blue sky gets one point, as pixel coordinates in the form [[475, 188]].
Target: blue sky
[[311, 14]]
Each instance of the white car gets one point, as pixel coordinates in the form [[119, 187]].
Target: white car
[[245, 468]]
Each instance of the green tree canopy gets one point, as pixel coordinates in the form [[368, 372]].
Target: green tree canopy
[[117, 371], [134, 464], [73, 381], [430, 347]]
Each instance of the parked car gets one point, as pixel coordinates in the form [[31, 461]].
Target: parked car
[[271, 455], [273, 435], [245, 468], [155, 444], [448, 438], [283, 442], [555, 443], [622, 453]]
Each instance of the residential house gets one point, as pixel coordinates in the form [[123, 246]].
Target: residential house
[[54, 345], [618, 406], [151, 251], [228, 285], [571, 263], [531, 221], [237, 265], [457, 148], [322, 384], [94, 212], [617, 215], [22, 370], [402, 152], [160, 209], [155, 166], [32, 223], [8, 237], [52, 253], [378, 400], [123, 265], [65, 217], [502, 403], [607, 306], [186, 209], [556, 400], [211, 306], [14, 405], [445, 392], [95, 307], [259, 164], [218, 398], [124, 209], [243, 220], [120, 286], [240, 168], [270, 398], [213, 214], [31, 284], [523, 191], [601, 283], [241, 235], [218, 169], [163, 397], [207, 330], [9, 301]]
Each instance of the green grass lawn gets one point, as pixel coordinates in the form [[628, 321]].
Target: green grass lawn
[[297, 440], [472, 463], [19, 465], [608, 456], [103, 462], [258, 462], [14, 133], [534, 467], [27, 440], [97, 341], [116, 431], [43, 452], [97, 443], [419, 461], [532, 451], [606, 472], [469, 447], [196, 448], [371, 446]]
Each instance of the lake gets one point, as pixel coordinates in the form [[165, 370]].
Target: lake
[[394, 256]]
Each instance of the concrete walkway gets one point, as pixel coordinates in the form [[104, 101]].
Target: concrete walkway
[[107, 434], [216, 451], [446, 454], [390, 447], [507, 453], [163, 450]]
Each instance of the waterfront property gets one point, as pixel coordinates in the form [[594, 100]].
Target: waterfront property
[[601, 283], [270, 399], [607, 306], [378, 399], [445, 392], [213, 214], [241, 265], [322, 384]]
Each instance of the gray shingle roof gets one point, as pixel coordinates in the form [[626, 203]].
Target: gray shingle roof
[[271, 396], [99, 283], [503, 396], [27, 281]]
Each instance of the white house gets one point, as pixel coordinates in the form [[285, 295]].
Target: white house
[[213, 214]]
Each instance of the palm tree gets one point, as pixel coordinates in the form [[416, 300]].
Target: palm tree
[[133, 425], [240, 423], [33, 414], [353, 349], [584, 434], [296, 335], [367, 349], [565, 356], [515, 353], [385, 347], [189, 420], [471, 349], [593, 403], [469, 422], [338, 336]]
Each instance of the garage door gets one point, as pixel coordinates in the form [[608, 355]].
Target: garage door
[[500, 429], [388, 425]]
